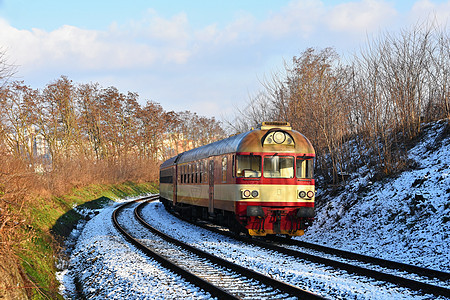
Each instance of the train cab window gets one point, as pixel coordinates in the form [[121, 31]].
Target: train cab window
[[248, 166], [305, 167], [279, 166]]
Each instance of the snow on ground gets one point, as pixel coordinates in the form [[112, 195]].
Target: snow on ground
[[326, 281], [406, 219], [104, 266]]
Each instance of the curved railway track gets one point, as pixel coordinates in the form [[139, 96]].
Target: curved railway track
[[219, 277], [281, 245]]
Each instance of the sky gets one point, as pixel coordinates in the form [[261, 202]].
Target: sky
[[208, 56]]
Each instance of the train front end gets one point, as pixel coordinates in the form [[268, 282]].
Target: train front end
[[275, 188]]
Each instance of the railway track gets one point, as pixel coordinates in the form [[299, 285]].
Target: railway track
[[219, 277], [351, 262]]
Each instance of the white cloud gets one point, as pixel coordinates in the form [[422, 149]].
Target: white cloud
[[426, 9], [362, 16], [207, 33], [155, 41], [213, 64], [173, 31], [300, 17], [241, 30], [306, 18]]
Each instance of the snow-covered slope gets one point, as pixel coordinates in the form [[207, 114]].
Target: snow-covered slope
[[406, 218]]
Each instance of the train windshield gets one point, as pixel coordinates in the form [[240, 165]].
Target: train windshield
[[279, 166], [248, 166], [305, 167]]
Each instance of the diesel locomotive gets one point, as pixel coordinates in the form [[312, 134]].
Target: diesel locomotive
[[259, 182]]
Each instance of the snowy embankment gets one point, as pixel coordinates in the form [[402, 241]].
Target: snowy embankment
[[104, 266], [404, 219]]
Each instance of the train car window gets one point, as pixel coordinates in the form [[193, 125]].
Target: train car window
[[182, 174], [278, 166], [205, 169], [197, 174], [305, 167], [188, 171], [248, 166], [233, 166], [224, 169]]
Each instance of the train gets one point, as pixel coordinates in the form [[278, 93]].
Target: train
[[260, 182]]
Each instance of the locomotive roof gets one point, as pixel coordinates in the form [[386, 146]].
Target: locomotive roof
[[245, 142], [228, 145]]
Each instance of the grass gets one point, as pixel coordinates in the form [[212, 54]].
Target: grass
[[52, 220]]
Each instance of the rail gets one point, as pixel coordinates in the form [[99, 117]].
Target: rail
[[401, 281]]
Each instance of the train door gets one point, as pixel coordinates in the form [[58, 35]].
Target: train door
[[175, 184], [176, 179], [211, 186]]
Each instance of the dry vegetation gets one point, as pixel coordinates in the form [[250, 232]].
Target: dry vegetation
[[378, 100], [69, 136]]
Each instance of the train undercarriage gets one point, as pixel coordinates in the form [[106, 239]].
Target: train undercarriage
[[258, 221]]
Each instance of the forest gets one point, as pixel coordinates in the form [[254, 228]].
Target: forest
[[70, 135]]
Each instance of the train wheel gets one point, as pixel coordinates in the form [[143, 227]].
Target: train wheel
[[236, 230], [234, 226]]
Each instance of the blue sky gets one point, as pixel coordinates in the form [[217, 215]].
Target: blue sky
[[203, 56]]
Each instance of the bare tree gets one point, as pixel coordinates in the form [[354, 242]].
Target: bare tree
[[7, 70], [18, 110], [314, 101], [153, 128], [90, 120], [57, 120], [259, 108]]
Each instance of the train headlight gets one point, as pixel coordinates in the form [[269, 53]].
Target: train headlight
[[248, 194], [279, 137], [306, 195]]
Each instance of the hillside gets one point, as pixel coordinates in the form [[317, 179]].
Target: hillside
[[404, 218]]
